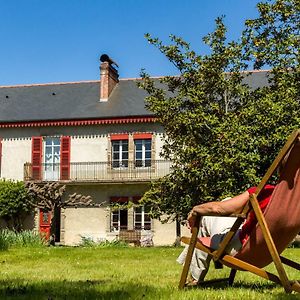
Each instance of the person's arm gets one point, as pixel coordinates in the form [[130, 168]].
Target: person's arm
[[222, 208]]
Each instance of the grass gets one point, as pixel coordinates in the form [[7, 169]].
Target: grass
[[117, 273]]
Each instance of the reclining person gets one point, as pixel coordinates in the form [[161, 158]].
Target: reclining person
[[217, 227]]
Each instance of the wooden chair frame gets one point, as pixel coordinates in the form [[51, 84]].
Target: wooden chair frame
[[235, 264]]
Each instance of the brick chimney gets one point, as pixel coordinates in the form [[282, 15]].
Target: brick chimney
[[109, 77]]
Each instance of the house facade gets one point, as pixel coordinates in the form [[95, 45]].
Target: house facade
[[95, 137]]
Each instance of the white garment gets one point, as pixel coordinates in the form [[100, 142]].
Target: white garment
[[216, 228]]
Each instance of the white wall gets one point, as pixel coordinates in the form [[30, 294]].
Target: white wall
[[89, 148], [15, 152]]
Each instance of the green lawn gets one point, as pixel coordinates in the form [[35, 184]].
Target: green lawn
[[117, 273]]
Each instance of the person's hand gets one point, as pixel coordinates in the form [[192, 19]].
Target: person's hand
[[191, 220]]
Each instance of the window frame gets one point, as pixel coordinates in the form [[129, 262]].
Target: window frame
[[117, 213], [145, 224], [53, 167], [143, 162], [121, 162]]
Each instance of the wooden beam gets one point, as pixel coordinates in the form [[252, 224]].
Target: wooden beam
[[190, 252], [290, 263], [270, 244]]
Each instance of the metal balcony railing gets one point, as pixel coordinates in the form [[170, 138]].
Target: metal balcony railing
[[99, 171]]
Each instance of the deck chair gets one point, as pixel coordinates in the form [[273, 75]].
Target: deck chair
[[275, 230]]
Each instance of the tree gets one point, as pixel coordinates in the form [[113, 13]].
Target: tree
[[221, 135], [50, 198], [13, 203]]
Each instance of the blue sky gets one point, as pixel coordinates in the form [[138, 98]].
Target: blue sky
[[61, 40]]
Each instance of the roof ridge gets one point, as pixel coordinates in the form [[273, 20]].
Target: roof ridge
[[48, 84], [95, 81]]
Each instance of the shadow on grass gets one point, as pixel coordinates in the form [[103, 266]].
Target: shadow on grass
[[224, 285], [89, 289], [260, 287], [114, 289]]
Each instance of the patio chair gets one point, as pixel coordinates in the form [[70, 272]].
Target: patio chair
[[275, 230]]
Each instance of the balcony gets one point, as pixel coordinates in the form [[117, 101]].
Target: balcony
[[106, 172]]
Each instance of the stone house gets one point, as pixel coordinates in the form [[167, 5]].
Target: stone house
[[97, 138]]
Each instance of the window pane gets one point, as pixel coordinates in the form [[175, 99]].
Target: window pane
[[147, 218], [138, 147], [48, 142], [138, 218], [116, 148], [138, 210], [56, 141], [116, 164], [139, 155], [148, 144], [116, 156], [115, 143]]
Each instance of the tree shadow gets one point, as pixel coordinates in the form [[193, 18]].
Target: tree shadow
[[223, 285], [259, 287], [89, 289]]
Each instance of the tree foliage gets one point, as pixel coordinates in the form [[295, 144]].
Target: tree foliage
[[221, 134], [14, 206]]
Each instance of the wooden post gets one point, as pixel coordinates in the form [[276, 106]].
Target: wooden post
[[190, 252], [270, 243]]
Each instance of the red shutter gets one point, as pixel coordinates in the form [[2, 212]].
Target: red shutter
[[65, 157], [118, 199], [142, 136], [122, 136], [136, 199], [0, 154], [36, 158]]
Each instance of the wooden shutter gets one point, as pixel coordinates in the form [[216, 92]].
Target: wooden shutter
[[65, 158], [142, 136], [118, 199], [36, 157], [118, 137], [0, 156]]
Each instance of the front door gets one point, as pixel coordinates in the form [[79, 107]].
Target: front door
[[45, 224]]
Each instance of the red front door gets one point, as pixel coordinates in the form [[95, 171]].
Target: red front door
[[45, 222]]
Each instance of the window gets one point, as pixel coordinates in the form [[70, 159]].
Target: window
[[119, 220], [142, 220], [119, 217], [120, 153], [51, 158], [142, 152]]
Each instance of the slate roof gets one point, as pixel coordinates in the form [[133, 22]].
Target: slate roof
[[77, 101]]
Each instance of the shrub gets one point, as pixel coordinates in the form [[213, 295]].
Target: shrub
[[14, 206], [26, 238], [101, 243]]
